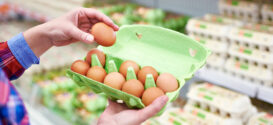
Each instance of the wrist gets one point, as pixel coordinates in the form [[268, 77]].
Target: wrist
[[38, 39]]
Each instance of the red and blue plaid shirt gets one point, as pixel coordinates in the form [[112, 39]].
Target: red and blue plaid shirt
[[15, 57]]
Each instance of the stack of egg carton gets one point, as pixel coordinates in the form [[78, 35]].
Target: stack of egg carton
[[261, 119], [267, 14], [224, 105], [211, 31], [246, 10], [251, 53]]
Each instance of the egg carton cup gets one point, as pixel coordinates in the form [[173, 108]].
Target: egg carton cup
[[207, 118], [246, 10], [216, 61], [267, 14], [262, 118], [219, 100], [249, 71], [223, 20], [207, 29], [214, 45], [135, 42], [254, 55]]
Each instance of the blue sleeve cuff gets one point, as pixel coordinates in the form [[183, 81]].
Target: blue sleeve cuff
[[22, 52]]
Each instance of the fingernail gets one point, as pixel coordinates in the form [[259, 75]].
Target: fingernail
[[90, 38]]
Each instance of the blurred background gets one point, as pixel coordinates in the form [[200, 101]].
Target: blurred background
[[235, 87]]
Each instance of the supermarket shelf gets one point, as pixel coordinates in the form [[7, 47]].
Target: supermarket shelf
[[265, 94], [223, 79]]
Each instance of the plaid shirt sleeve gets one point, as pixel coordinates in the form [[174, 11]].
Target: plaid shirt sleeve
[[15, 57]]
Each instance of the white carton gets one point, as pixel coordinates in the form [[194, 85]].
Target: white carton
[[252, 72], [246, 10], [261, 119], [223, 20], [216, 61], [203, 117], [220, 101], [267, 14]]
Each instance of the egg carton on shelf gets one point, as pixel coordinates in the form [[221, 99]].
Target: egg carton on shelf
[[251, 53], [206, 29], [246, 10], [267, 14], [252, 72], [219, 100], [207, 118], [223, 20], [261, 119], [216, 61]]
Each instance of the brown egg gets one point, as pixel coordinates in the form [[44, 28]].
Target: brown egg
[[99, 53], [96, 73], [114, 80], [80, 67], [103, 34], [133, 87], [167, 82], [144, 71], [125, 65], [150, 94]]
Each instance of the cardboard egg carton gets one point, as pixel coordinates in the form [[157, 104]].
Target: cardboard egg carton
[[253, 53], [252, 72], [223, 20], [246, 10], [207, 29], [214, 45], [216, 61], [202, 117], [267, 14], [220, 101], [261, 119]]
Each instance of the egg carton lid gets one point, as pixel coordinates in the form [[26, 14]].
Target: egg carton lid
[[166, 50], [207, 118], [262, 118], [239, 3], [219, 97]]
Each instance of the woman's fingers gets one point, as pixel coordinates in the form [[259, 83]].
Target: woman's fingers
[[80, 35], [153, 108], [92, 13]]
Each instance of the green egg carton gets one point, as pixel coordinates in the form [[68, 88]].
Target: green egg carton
[[163, 49]]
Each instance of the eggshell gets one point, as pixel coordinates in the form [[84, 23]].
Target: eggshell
[[133, 87], [150, 94], [167, 82], [96, 73], [103, 34], [114, 80], [80, 67], [144, 71], [99, 53], [125, 65]]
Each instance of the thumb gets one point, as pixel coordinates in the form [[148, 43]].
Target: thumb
[[153, 108], [82, 36]]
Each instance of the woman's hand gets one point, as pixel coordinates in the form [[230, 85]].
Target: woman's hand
[[72, 27], [117, 114]]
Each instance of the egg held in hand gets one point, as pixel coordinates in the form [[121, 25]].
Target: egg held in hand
[[133, 87], [150, 94], [103, 34], [114, 80], [100, 54], [80, 67], [96, 73], [125, 65], [144, 72], [167, 82]]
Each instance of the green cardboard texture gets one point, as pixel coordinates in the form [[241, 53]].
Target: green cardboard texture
[[163, 49]]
